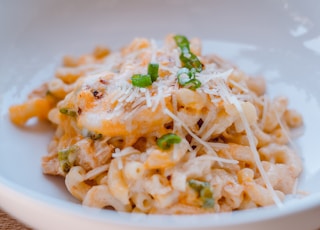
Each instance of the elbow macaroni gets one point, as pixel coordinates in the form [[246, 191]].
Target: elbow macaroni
[[115, 126]]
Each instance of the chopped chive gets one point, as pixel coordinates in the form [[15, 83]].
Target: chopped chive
[[166, 141], [207, 197], [197, 185], [183, 43], [145, 80], [188, 79], [191, 61], [141, 80], [188, 74], [188, 59], [193, 84], [184, 75], [91, 134], [68, 112], [204, 191], [208, 202], [66, 159], [153, 69]]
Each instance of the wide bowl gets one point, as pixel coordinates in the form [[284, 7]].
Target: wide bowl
[[277, 39]]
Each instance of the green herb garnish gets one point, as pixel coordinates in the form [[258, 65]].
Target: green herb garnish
[[145, 80], [166, 141], [190, 62], [192, 84], [141, 80], [153, 69], [204, 191], [66, 158], [187, 79], [183, 43], [188, 59], [68, 112]]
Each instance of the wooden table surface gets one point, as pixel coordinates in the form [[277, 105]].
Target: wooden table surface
[[9, 223]]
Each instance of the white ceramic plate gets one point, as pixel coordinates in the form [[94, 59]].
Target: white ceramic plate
[[277, 39]]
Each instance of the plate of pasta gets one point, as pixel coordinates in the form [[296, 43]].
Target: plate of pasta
[[184, 127]]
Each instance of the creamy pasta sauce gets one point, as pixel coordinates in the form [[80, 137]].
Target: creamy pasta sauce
[[165, 129]]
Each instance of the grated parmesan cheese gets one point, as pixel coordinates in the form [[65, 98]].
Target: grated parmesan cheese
[[233, 100]]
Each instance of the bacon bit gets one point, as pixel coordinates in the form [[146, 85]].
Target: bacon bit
[[79, 111], [168, 125], [97, 94], [102, 81], [189, 138], [200, 122]]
